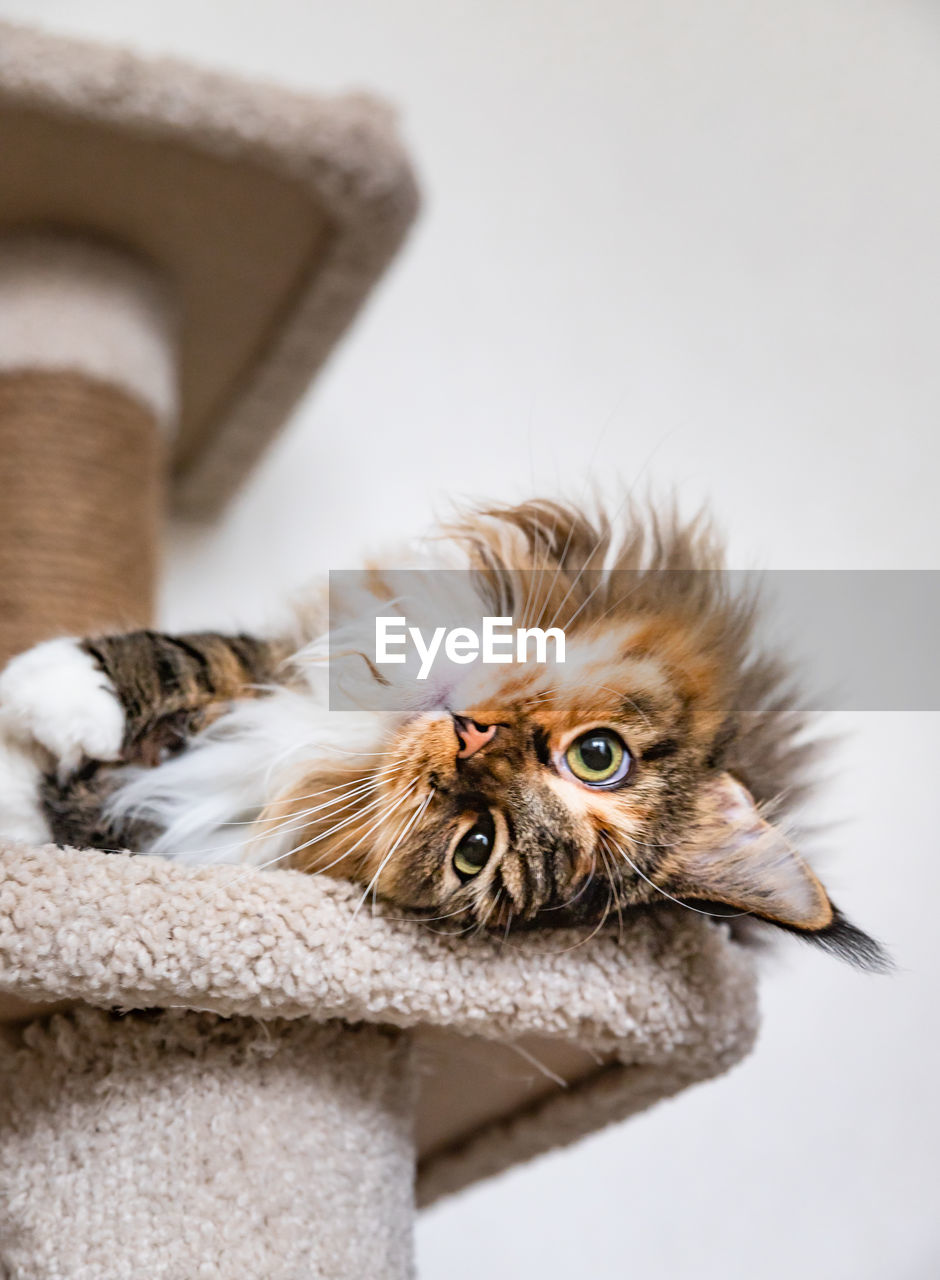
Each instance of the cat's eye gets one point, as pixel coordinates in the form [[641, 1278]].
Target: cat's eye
[[598, 758], [474, 847]]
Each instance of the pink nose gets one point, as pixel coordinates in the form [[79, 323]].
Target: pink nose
[[471, 736]]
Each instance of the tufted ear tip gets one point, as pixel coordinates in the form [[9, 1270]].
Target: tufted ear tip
[[848, 942]]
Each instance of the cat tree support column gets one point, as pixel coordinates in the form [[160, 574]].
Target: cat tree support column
[[185, 1145], [87, 400]]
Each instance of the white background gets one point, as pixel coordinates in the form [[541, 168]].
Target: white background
[[695, 247]]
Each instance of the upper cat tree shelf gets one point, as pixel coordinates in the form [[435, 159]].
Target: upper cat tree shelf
[[268, 214]]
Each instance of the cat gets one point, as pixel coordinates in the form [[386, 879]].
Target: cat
[[653, 766]]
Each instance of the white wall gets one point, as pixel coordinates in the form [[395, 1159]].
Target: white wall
[[695, 246]]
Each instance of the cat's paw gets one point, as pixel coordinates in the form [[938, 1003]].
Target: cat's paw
[[21, 814], [56, 695]]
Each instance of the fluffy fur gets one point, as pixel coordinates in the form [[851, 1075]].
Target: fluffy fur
[[659, 656]]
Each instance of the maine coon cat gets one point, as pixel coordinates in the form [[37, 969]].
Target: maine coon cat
[[654, 766]]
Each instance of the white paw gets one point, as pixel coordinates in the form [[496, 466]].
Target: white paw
[[21, 816], [55, 694]]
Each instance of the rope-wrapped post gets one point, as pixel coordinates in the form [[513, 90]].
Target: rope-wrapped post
[[87, 401]]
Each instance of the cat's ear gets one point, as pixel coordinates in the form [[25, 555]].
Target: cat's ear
[[735, 857]]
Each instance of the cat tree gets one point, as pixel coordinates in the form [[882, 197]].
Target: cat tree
[[244, 1074]]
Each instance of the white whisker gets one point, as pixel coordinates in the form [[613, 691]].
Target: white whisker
[[384, 862], [534, 1062], [241, 875], [398, 801], [714, 915]]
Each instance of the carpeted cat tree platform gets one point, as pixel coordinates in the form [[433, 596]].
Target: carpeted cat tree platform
[[244, 1074]]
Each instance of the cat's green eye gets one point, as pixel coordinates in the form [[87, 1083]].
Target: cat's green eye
[[474, 847], [598, 758]]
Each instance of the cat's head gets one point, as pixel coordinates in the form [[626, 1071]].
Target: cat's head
[[641, 770]]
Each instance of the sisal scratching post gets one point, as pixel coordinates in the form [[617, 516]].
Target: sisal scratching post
[[87, 401], [247, 1075]]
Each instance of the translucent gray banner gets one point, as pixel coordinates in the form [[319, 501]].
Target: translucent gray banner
[[854, 640]]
